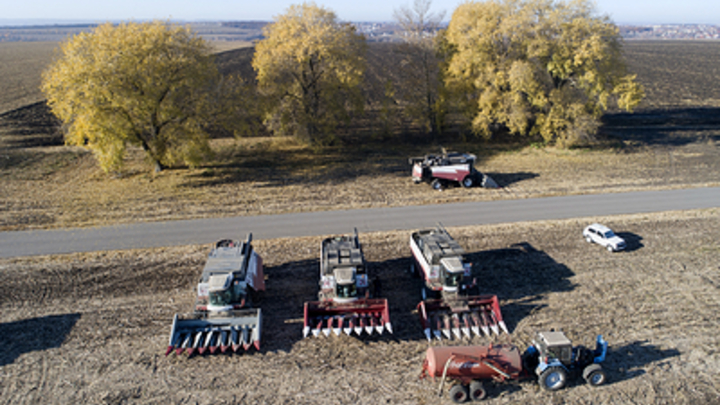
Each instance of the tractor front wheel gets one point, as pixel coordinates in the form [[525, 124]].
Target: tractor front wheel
[[594, 375], [553, 378], [458, 393]]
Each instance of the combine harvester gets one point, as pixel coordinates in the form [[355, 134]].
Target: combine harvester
[[223, 318], [449, 307], [345, 301]]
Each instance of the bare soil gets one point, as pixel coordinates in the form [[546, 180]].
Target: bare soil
[[92, 328]]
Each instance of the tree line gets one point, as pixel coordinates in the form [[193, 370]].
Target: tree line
[[543, 69]]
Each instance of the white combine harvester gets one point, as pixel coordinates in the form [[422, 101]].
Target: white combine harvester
[[345, 301], [224, 316]]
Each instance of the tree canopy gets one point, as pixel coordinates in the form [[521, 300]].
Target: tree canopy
[[144, 84], [538, 67], [310, 67]]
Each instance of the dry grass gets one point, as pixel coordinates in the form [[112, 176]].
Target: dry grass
[[92, 328]]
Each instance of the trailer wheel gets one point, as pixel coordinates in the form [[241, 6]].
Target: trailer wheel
[[594, 375], [553, 378], [437, 185], [468, 181], [458, 393], [477, 391]]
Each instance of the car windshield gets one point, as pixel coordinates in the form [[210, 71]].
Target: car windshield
[[609, 234], [346, 291]]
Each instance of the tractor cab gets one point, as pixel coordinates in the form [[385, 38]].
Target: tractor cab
[[554, 346]]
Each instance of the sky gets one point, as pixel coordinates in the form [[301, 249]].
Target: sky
[[54, 11]]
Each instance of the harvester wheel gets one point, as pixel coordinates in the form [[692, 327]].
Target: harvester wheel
[[477, 391], [413, 271], [458, 393], [553, 378], [437, 185], [468, 181], [594, 375]]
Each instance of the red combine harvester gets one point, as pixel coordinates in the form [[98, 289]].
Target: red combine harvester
[[449, 306], [345, 301], [224, 317], [449, 167]]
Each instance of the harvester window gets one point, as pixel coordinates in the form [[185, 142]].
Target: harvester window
[[220, 298], [346, 291], [453, 279]]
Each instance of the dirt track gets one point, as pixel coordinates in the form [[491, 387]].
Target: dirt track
[[92, 328]]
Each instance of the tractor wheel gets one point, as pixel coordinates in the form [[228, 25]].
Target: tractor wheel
[[437, 185], [458, 393], [468, 181], [477, 391], [594, 375], [553, 378]]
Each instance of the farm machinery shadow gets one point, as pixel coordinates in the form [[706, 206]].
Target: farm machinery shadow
[[628, 361], [520, 276], [36, 334]]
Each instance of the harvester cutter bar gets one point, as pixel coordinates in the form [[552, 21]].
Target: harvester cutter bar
[[201, 333], [370, 315], [475, 315]]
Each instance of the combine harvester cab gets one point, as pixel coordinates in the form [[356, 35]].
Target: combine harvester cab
[[224, 317], [345, 301], [448, 307]]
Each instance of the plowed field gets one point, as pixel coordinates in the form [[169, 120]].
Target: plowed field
[[92, 328]]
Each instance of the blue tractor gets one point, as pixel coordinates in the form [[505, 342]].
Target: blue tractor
[[553, 359]]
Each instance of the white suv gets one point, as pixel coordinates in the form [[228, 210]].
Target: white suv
[[602, 235]]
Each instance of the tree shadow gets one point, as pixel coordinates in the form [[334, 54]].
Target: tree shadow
[[633, 241], [628, 361], [520, 274], [664, 127], [31, 126], [36, 334]]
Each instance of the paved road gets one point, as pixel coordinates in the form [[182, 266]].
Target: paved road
[[199, 231]]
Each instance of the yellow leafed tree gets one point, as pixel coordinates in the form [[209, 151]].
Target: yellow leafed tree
[[310, 68], [145, 84], [538, 67]]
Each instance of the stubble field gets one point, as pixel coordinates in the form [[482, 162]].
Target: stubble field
[[92, 328]]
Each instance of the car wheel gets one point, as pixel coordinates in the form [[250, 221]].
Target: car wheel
[[468, 181], [588, 239], [610, 248]]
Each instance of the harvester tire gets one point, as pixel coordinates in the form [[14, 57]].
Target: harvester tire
[[458, 393], [594, 375], [553, 378], [468, 181], [437, 185], [477, 391]]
